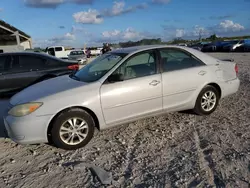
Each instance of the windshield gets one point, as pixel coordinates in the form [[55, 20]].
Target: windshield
[[98, 67]]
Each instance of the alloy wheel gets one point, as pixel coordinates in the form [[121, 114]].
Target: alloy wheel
[[208, 101], [74, 131]]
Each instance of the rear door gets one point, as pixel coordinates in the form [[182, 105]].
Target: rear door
[[4, 86], [182, 75], [24, 70]]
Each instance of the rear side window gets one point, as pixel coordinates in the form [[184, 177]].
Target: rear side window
[[31, 62], [57, 49], [174, 59]]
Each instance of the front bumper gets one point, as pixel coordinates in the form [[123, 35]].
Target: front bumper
[[28, 129]]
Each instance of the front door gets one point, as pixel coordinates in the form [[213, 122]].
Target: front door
[[139, 94], [182, 76]]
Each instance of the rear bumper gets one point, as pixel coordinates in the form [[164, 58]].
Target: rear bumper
[[230, 87]]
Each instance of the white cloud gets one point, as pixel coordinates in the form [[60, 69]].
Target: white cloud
[[161, 1], [88, 17], [1, 9], [224, 28], [69, 36], [43, 3], [119, 8], [116, 35], [76, 29], [131, 34], [66, 39], [200, 31], [53, 3], [108, 34], [230, 26], [180, 32]]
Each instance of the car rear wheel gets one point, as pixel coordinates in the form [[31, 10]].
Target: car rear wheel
[[207, 101], [72, 129]]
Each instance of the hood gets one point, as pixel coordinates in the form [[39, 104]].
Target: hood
[[46, 88]]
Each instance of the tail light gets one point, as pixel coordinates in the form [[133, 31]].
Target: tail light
[[236, 68], [73, 67]]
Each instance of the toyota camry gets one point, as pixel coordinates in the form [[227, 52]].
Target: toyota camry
[[118, 87]]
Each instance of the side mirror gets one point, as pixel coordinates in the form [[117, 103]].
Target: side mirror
[[116, 78]]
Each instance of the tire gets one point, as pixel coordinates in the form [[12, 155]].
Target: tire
[[61, 122], [198, 109]]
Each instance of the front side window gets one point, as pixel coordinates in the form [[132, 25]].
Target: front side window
[[98, 67], [174, 59], [142, 64]]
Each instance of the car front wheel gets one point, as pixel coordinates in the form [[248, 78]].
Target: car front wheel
[[207, 101], [72, 129]]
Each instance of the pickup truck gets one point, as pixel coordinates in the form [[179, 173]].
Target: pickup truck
[[58, 51]]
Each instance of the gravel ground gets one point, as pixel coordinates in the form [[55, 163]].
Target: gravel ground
[[174, 150]]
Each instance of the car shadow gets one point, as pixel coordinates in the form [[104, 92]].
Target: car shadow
[[3, 106], [188, 112]]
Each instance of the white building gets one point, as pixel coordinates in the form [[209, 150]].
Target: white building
[[13, 39]]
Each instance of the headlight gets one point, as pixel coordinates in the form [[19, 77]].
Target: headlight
[[24, 109]]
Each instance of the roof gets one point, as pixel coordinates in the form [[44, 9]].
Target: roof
[[6, 35], [200, 55], [133, 49], [29, 53]]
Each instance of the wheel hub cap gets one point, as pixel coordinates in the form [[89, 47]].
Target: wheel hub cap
[[208, 101], [74, 131]]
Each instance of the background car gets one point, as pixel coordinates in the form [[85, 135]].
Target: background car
[[232, 45], [118, 87], [215, 46], [78, 55], [21, 69], [244, 47]]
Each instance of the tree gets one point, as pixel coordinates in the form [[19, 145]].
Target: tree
[[213, 37]]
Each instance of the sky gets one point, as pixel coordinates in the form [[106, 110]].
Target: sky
[[92, 22]]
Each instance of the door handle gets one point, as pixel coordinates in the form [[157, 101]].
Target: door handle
[[154, 82], [202, 73]]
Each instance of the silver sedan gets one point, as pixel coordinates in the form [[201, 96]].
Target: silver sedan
[[118, 87]]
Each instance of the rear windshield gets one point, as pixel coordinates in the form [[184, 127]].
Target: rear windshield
[[77, 53]]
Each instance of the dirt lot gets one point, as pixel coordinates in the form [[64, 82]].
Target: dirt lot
[[174, 150]]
